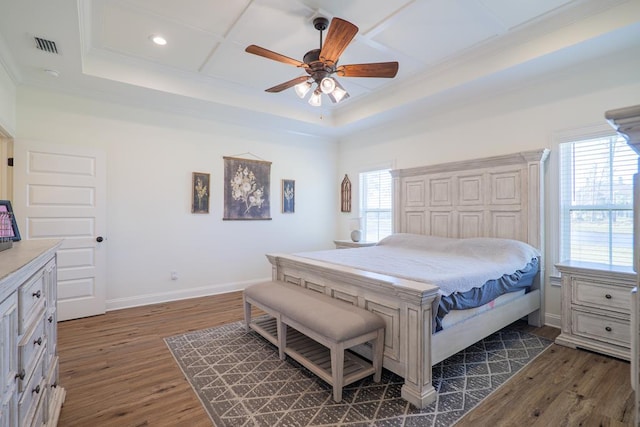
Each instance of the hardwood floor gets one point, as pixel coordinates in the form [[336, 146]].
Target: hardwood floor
[[118, 371]]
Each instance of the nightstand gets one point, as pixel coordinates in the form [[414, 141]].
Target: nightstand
[[596, 307], [345, 244]]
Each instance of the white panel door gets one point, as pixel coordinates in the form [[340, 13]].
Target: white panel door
[[60, 193]]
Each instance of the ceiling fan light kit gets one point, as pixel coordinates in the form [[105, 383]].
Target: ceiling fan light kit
[[321, 63]]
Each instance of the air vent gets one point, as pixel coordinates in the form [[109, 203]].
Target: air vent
[[46, 45]]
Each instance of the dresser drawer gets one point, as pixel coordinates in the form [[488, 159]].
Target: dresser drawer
[[31, 395], [602, 328], [51, 330], [601, 295], [30, 296], [30, 350]]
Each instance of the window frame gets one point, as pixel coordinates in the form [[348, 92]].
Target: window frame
[[553, 182]]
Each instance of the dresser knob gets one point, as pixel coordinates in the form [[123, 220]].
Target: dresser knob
[[36, 390], [608, 296], [21, 374], [50, 319], [38, 341], [54, 385], [608, 329], [37, 294]]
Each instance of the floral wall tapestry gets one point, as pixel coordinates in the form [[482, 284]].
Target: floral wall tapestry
[[246, 189]]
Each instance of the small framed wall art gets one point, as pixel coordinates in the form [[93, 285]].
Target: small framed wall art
[[288, 196], [200, 190]]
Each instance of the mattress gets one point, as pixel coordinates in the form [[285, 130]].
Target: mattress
[[469, 272], [456, 316]]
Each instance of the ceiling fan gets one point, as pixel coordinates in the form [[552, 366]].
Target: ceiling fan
[[321, 64]]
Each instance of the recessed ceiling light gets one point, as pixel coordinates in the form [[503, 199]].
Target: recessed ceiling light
[[51, 72], [159, 40]]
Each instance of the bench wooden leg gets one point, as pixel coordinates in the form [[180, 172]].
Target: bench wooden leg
[[282, 337], [337, 370], [378, 354], [247, 314]]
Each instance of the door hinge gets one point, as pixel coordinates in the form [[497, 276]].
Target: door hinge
[[10, 161]]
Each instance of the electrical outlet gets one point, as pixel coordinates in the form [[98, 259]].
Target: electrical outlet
[[174, 275]]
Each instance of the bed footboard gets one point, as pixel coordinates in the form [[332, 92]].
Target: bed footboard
[[405, 305]]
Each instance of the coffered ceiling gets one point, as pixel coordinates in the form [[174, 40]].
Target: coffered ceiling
[[446, 49]]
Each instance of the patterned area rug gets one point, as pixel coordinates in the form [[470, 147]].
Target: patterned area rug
[[242, 382]]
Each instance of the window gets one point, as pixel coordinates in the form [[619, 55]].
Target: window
[[375, 204], [596, 198]]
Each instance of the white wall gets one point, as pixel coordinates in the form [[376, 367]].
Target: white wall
[[7, 103], [150, 228], [518, 120]]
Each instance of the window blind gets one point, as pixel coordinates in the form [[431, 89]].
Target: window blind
[[596, 179], [375, 204]]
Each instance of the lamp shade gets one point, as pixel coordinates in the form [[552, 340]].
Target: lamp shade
[[302, 89], [316, 98], [327, 85]]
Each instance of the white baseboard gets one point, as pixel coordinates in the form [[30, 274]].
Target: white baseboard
[[553, 320], [156, 298]]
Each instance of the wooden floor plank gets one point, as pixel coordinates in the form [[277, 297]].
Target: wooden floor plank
[[118, 371]]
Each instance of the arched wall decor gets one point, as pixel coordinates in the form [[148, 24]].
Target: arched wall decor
[[345, 205]]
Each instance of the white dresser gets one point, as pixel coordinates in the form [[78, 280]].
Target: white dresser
[[596, 308], [29, 390]]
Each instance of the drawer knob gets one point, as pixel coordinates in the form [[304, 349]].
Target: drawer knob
[[608, 329], [36, 390], [50, 319], [38, 341], [37, 294], [21, 374], [54, 385], [608, 296]]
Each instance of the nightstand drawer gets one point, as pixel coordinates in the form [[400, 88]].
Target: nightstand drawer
[[601, 295], [607, 329]]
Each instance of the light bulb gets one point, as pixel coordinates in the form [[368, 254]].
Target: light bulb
[[158, 39], [302, 89], [316, 98], [327, 85]]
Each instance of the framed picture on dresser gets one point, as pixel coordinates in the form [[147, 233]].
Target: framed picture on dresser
[[8, 225]]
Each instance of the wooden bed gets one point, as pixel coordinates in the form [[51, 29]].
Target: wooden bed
[[492, 197]]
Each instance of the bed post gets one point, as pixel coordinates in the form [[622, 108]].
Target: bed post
[[535, 164], [396, 191], [416, 330]]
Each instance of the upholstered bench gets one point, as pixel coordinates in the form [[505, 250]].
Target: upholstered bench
[[319, 319]]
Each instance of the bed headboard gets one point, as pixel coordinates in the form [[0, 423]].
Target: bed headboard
[[498, 196]]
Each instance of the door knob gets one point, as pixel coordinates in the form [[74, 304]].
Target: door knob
[[99, 239]]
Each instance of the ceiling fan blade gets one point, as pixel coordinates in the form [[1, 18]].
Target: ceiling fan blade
[[287, 85], [266, 53], [374, 69], [340, 34]]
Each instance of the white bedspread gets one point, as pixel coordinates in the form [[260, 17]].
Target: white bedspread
[[455, 265]]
